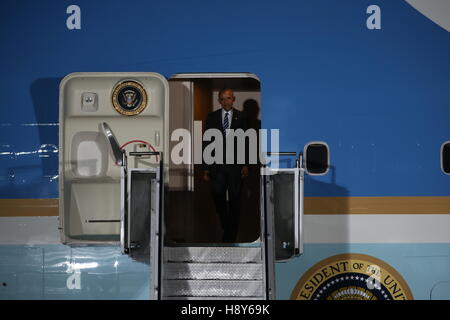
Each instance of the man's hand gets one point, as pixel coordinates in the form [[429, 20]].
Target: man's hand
[[244, 172], [206, 175]]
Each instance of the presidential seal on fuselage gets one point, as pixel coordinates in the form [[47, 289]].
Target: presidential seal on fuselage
[[129, 98], [351, 276]]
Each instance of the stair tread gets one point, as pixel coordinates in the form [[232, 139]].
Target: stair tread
[[211, 271], [217, 288], [213, 254]]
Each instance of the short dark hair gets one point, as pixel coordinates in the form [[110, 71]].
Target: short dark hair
[[223, 90]]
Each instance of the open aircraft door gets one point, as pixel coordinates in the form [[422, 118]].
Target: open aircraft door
[[110, 192]]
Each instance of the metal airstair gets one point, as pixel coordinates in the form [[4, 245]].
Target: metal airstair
[[232, 272]]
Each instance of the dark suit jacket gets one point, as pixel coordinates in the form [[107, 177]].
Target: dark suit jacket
[[214, 120]]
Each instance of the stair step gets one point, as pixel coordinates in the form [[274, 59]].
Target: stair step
[[213, 288], [213, 254], [216, 271]]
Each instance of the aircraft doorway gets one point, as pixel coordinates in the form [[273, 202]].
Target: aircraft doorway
[[191, 215]]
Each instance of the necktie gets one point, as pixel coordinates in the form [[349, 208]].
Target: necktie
[[225, 123]]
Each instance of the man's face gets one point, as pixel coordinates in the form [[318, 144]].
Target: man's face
[[226, 99]]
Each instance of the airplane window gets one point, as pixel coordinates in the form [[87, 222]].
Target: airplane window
[[317, 158], [445, 157]]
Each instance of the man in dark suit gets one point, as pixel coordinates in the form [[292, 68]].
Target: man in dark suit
[[226, 177]]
